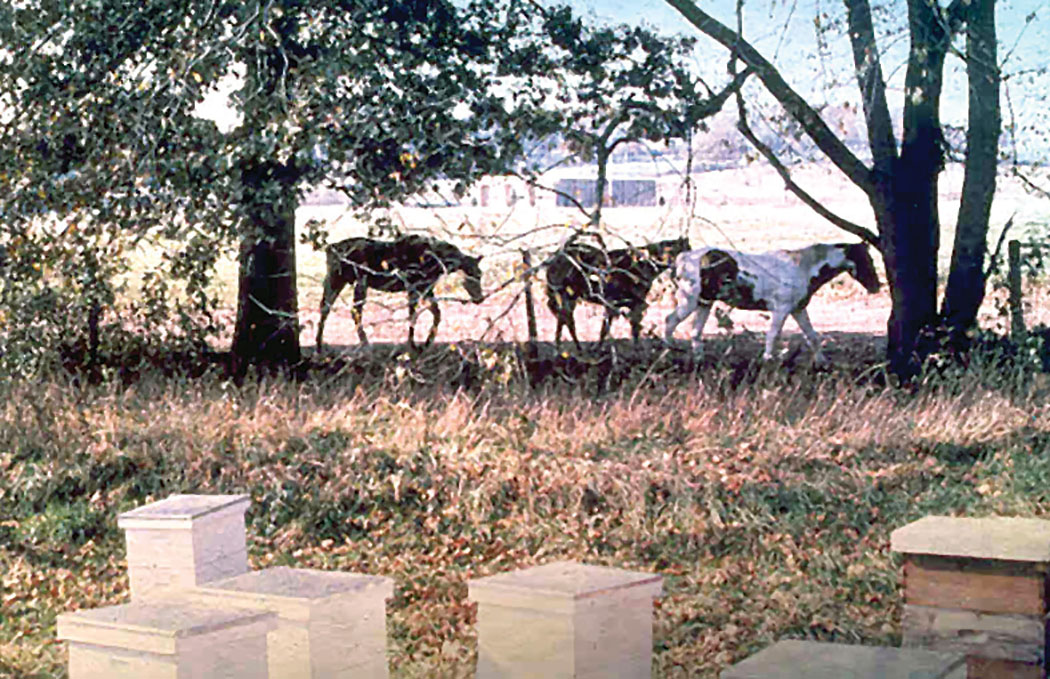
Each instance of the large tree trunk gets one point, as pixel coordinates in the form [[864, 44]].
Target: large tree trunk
[[911, 238], [966, 282], [267, 328]]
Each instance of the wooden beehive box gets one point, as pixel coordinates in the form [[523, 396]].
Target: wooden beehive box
[[330, 625], [165, 641], [184, 541], [791, 659], [565, 619], [978, 586]]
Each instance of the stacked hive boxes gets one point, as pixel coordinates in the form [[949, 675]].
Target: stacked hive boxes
[[197, 613], [975, 606], [978, 586]]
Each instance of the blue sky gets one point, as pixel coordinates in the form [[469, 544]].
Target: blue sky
[[783, 30]]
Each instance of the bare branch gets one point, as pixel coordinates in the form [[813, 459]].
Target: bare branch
[[993, 261], [1032, 186], [872, 86], [861, 232], [793, 103]]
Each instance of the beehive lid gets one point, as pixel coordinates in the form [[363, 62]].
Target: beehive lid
[[300, 583], [153, 628], [564, 580], [181, 510], [1001, 538], [793, 659]]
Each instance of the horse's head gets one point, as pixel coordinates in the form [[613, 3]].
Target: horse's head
[[472, 278], [860, 265], [665, 251]]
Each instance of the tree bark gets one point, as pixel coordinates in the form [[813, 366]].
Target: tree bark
[[911, 239], [266, 333], [966, 281], [267, 328]]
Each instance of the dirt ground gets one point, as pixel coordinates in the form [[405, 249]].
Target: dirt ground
[[503, 318]]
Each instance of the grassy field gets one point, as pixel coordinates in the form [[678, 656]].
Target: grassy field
[[764, 496]]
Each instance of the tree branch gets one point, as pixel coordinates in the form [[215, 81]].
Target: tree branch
[[872, 86], [861, 232], [811, 122]]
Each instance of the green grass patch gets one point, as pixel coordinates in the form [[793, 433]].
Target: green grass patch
[[764, 497]]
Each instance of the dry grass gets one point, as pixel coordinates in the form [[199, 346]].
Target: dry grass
[[764, 497]]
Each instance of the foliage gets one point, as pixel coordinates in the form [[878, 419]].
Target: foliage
[[129, 158], [619, 85], [764, 498]]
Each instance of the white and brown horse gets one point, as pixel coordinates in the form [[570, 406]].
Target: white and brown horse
[[411, 264], [781, 282]]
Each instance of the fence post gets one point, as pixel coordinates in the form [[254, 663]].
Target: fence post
[[530, 309], [1017, 327]]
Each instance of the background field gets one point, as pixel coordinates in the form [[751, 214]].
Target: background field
[[745, 209], [764, 495]]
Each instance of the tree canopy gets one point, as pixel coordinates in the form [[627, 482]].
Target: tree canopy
[[113, 158]]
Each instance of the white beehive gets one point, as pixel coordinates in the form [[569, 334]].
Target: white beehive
[[330, 625], [165, 641], [565, 620], [184, 541], [793, 659]]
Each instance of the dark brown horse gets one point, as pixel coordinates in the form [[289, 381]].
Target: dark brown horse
[[411, 264], [615, 279]]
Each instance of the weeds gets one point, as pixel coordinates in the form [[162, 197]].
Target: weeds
[[764, 497]]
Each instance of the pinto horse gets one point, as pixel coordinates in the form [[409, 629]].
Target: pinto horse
[[411, 264], [615, 279], [781, 282]]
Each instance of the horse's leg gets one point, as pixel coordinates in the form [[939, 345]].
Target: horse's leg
[[554, 304], [779, 316], [703, 310], [360, 292], [435, 312], [569, 319], [610, 314], [413, 301], [635, 316], [685, 303], [801, 317], [331, 292]]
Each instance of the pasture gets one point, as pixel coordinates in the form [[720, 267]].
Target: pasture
[[741, 209], [764, 496]]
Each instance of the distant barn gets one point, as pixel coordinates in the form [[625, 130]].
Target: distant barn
[[620, 192]]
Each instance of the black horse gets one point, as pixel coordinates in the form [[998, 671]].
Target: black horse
[[411, 264], [614, 279]]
